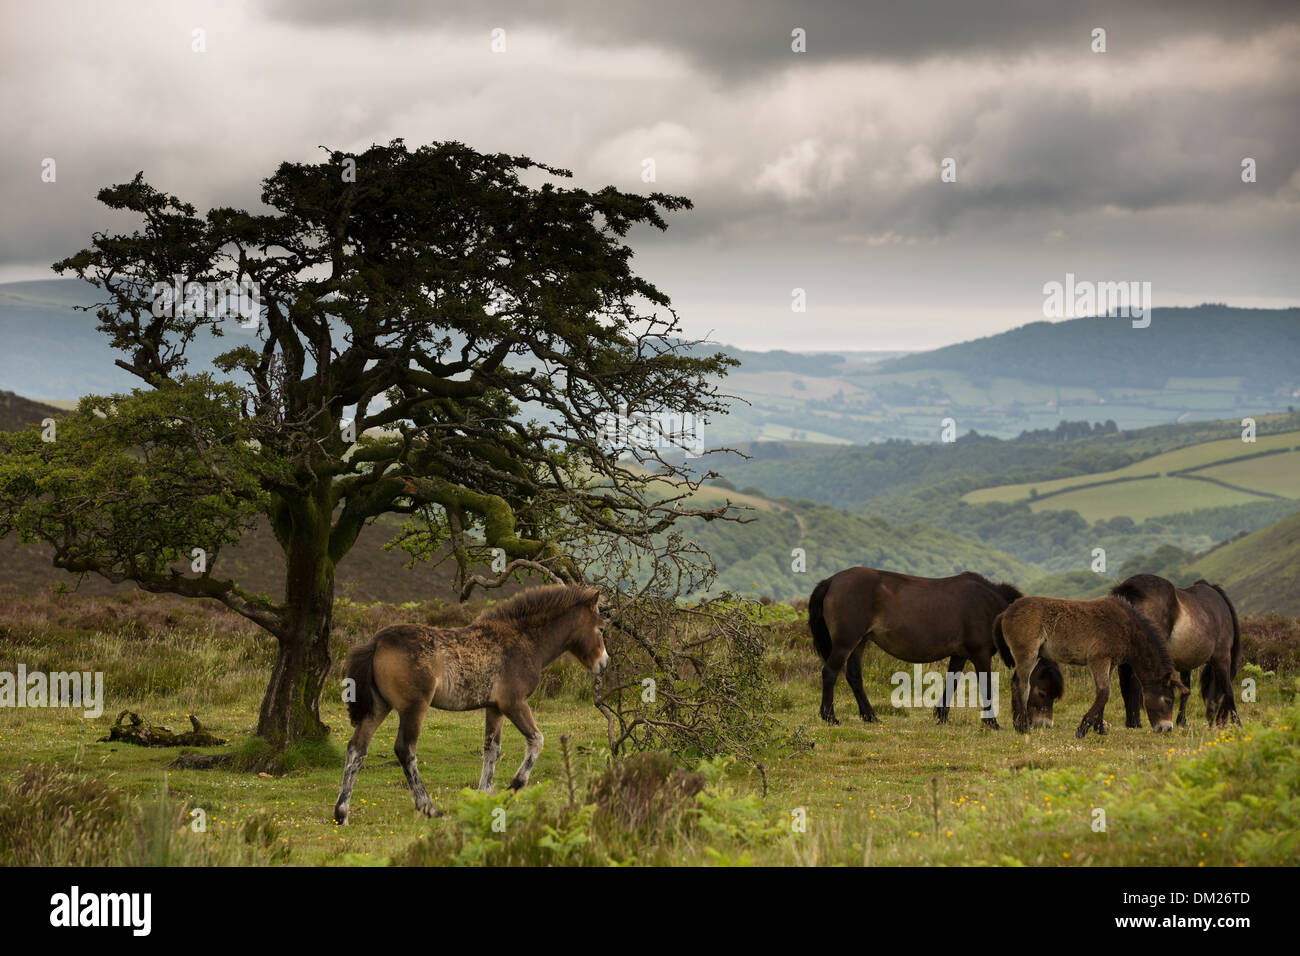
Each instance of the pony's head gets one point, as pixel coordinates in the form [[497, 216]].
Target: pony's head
[[1046, 686], [1160, 682], [586, 640], [569, 614]]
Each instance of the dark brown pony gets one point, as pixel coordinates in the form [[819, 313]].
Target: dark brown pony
[[494, 663], [1101, 634], [915, 619], [1200, 626]]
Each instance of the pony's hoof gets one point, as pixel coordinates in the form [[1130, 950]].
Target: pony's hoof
[[941, 716], [430, 811], [832, 720], [517, 784], [869, 718], [992, 723], [341, 816], [1082, 731]]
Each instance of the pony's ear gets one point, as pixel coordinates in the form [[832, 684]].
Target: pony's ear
[[1178, 684], [591, 596]]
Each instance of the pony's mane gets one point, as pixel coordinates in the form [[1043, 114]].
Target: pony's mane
[[1139, 585], [1155, 649], [539, 604], [1008, 592]]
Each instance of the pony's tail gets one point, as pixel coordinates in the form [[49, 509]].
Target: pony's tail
[[360, 669], [821, 634], [1000, 640], [1236, 631]]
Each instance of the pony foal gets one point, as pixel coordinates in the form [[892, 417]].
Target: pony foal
[[495, 664]]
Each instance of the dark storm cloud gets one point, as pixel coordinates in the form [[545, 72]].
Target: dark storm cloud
[[740, 38], [818, 170]]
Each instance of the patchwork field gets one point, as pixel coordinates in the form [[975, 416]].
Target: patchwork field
[[1136, 491], [1271, 474], [1183, 459]]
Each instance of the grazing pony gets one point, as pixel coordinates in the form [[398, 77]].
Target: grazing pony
[[1099, 633], [1200, 626], [495, 663], [918, 620], [1045, 688]]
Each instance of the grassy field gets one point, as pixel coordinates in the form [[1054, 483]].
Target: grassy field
[[905, 791], [1145, 498], [1272, 474]]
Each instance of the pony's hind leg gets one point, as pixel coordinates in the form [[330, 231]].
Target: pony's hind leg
[[1216, 688], [491, 746], [955, 666], [356, 754], [521, 715], [408, 732], [1094, 717], [853, 674]]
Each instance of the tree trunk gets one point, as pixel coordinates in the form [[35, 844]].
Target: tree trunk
[[291, 708]]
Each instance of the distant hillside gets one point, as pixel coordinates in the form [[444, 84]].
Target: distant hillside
[[1204, 342], [367, 574], [1260, 572], [17, 412], [1210, 362], [849, 477], [757, 558], [53, 351]]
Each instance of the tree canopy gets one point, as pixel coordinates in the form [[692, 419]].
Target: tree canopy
[[436, 332]]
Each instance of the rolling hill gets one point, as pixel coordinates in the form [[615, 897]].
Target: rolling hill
[[17, 412], [1261, 571], [1191, 365], [1220, 348], [367, 574]]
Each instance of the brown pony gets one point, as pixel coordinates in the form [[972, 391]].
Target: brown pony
[[1200, 626], [1099, 633], [915, 619], [494, 663]]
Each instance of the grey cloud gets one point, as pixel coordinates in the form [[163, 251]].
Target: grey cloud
[[742, 38]]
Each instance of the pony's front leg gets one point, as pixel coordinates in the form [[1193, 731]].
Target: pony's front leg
[[988, 699], [521, 715], [955, 667], [1020, 693], [1094, 716], [491, 746]]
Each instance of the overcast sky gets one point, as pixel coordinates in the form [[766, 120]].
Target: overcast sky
[[817, 170]]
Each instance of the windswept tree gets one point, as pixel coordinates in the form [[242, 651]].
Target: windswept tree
[[440, 334]]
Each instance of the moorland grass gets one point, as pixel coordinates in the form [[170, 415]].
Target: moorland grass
[[904, 791]]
